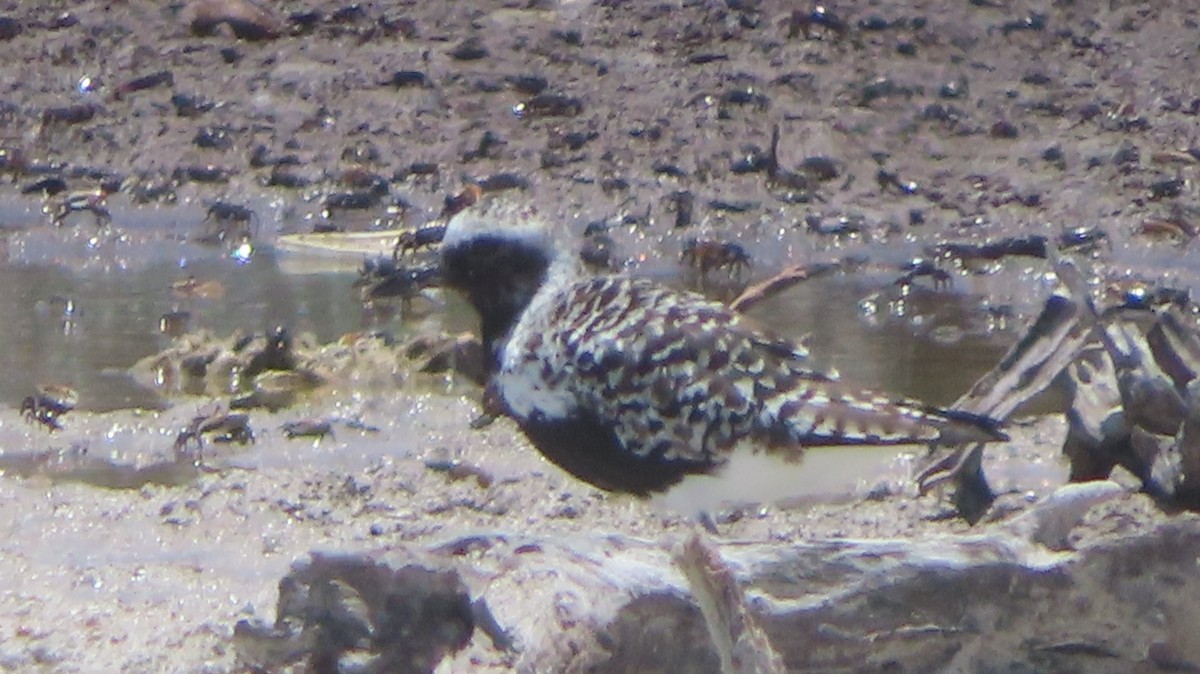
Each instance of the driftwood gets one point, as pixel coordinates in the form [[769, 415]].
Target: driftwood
[[1132, 394], [1014, 597], [1055, 340], [780, 282]]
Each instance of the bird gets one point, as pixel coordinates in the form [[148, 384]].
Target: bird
[[633, 386]]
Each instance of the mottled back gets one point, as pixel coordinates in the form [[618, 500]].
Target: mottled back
[[683, 379]]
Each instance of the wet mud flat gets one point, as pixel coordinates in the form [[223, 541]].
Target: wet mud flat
[[969, 134]]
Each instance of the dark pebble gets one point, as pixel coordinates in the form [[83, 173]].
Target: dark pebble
[[366, 181], [874, 23], [282, 176], [503, 181], [68, 114], [669, 169], [820, 168], [1048, 107], [1090, 111], [399, 26], [64, 20], [351, 201], [304, 22], [706, 58], [49, 185], [1128, 153], [201, 173], [571, 37], [613, 184], [470, 49], [422, 168], [156, 79], [213, 138], [187, 105], [408, 78], [737, 206], [348, 14], [327, 227], [684, 203], [1004, 129], [573, 140], [251, 27], [9, 28], [362, 152], [955, 89], [549, 105], [1037, 79], [939, 112], [753, 160], [1167, 189], [531, 85]]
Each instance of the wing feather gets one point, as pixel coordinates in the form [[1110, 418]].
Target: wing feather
[[685, 379]]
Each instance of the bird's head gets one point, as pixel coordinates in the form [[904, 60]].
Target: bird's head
[[499, 257]]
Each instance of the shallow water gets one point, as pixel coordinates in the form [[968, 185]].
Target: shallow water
[[87, 329], [80, 306]]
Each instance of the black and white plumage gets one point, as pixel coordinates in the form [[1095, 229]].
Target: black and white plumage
[[631, 386]]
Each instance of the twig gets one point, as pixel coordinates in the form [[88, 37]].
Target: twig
[[778, 283]]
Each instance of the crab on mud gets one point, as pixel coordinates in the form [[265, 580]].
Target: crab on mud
[[95, 201], [48, 405]]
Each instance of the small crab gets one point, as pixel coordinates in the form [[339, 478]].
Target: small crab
[[598, 252], [89, 200], [221, 210], [1084, 238], [414, 240], [307, 428], [459, 202], [920, 266], [51, 402], [805, 22], [224, 427], [382, 278], [229, 222], [706, 254]]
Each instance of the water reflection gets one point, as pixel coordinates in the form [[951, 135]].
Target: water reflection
[[85, 328], [904, 353]]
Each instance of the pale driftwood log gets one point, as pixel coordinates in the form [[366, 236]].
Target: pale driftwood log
[[741, 644], [998, 601], [1055, 340], [1037, 593]]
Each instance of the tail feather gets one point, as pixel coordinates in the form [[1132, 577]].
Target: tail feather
[[967, 427], [830, 413]]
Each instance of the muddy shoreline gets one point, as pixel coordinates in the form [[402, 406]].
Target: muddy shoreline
[[901, 126]]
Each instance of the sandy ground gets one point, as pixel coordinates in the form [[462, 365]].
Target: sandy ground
[[919, 123], [154, 577]]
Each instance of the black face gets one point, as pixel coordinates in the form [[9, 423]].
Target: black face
[[499, 276]]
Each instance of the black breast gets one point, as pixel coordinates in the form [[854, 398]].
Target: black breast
[[589, 450]]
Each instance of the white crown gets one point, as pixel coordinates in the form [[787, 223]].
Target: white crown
[[500, 218]]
